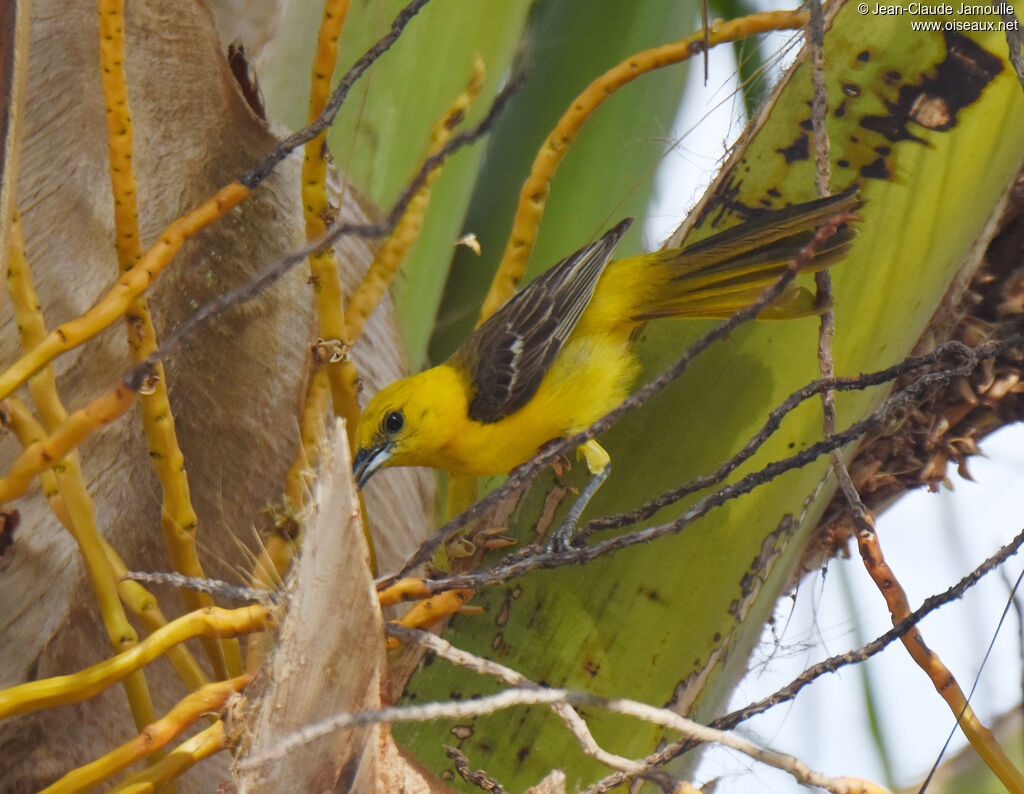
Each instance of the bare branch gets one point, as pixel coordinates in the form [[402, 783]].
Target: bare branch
[[325, 119], [830, 665], [573, 721], [214, 587], [950, 357], [527, 696]]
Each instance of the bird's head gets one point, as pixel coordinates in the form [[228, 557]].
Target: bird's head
[[409, 423]]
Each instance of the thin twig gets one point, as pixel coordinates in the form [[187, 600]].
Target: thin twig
[[325, 119], [214, 587], [819, 98], [823, 279], [956, 353], [489, 704], [1018, 608], [833, 663], [573, 721], [977, 733], [830, 665]]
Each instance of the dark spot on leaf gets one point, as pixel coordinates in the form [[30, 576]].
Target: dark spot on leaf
[[798, 150], [840, 111], [863, 56], [851, 90], [747, 584], [892, 127], [876, 170], [933, 101], [842, 164]]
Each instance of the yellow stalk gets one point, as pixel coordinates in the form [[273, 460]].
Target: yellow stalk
[[385, 264], [131, 284], [432, 610], [408, 589], [50, 453], [177, 516], [82, 526], [208, 700], [86, 683], [323, 264], [133, 595], [181, 759], [534, 194]]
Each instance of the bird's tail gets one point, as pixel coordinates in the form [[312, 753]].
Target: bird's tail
[[720, 275]]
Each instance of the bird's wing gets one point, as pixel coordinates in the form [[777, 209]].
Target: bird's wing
[[507, 357]]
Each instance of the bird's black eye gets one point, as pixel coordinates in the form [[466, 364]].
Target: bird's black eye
[[393, 422]]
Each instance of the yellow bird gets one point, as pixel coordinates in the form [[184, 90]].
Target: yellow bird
[[558, 355]]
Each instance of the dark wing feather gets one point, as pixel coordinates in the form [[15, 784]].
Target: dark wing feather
[[507, 357]]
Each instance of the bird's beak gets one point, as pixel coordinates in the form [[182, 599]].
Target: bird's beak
[[367, 461]]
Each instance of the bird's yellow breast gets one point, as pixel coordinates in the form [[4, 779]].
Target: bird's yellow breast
[[590, 376]]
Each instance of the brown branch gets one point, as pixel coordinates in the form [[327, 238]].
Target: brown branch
[[830, 665], [572, 719], [978, 734]]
